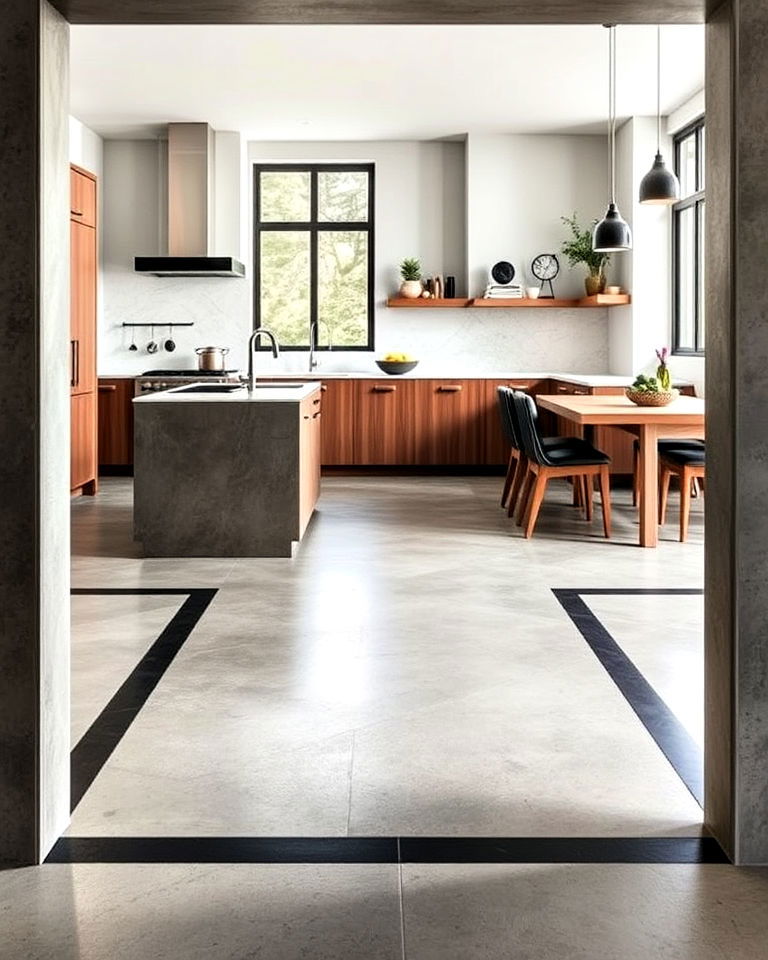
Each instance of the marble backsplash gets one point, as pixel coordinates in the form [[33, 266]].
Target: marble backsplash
[[472, 341]]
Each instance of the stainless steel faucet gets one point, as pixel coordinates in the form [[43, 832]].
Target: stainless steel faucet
[[252, 341], [313, 332]]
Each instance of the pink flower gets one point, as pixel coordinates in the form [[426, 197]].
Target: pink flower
[[663, 354]]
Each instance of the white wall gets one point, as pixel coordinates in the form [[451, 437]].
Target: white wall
[[421, 202], [518, 188]]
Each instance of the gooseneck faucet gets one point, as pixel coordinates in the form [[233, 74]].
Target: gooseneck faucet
[[313, 342], [252, 341]]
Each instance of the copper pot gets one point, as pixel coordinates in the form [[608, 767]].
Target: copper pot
[[211, 358]]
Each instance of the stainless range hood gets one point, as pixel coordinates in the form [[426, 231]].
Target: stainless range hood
[[190, 209]]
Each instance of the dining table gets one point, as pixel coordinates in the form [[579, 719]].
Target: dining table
[[684, 417]]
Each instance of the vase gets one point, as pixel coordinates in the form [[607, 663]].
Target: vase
[[411, 289], [593, 284]]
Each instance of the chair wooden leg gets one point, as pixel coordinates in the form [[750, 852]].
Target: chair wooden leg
[[605, 498], [578, 493], [685, 503], [695, 488], [520, 473], [586, 486], [666, 475], [525, 496], [635, 475], [511, 468], [537, 495]]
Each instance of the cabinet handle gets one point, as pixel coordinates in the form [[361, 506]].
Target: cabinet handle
[[76, 213], [562, 388], [519, 386], [450, 388], [316, 401], [74, 363], [107, 388], [323, 387], [380, 388], [315, 415], [581, 393]]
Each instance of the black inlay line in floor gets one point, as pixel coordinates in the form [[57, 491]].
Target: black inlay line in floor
[[97, 744], [385, 850], [674, 741]]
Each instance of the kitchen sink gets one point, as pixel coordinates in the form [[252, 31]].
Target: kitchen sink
[[279, 386], [209, 388]]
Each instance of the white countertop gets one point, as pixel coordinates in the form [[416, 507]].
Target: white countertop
[[264, 394]]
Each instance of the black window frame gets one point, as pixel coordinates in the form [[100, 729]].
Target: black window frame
[[697, 201], [314, 227]]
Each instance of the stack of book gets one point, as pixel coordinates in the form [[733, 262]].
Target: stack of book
[[503, 291]]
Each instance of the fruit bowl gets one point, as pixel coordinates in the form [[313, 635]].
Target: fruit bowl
[[652, 398], [395, 367]]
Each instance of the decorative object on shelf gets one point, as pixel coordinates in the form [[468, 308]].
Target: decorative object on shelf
[[613, 291], [395, 364], [612, 233], [500, 291], [659, 185], [532, 293], [662, 371], [545, 267], [579, 249], [410, 271], [438, 292], [450, 288], [649, 392], [426, 295], [502, 273]]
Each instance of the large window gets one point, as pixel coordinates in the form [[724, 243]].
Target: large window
[[313, 252], [688, 242]]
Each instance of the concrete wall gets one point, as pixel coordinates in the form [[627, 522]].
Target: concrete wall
[[34, 429]]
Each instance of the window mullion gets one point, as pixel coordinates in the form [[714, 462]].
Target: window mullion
[[313, 244]]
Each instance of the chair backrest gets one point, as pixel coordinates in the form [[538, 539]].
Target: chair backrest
[[504, 395], [527, 428]]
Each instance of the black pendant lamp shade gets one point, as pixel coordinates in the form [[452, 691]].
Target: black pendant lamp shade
[[659, 185], [612, 233]]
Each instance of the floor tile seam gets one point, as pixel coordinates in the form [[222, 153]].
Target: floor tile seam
[[401, 901]]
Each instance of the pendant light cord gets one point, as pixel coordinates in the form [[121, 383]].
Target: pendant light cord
[[612, 107], [658, 88]]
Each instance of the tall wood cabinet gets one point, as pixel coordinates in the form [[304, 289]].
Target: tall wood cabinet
[[82, 331]]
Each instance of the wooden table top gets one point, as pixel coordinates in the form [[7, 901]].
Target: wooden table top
[[688, 411]]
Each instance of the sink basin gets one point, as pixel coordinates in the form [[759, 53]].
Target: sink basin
[[209, 388], [279, 386]]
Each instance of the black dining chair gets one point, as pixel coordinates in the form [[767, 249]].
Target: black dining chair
[[578, 459], [688, 463], [517, 466], [664, 446]]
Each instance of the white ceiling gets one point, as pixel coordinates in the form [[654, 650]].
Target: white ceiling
[[372, 82]]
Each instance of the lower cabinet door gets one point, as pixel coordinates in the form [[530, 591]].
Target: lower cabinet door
[[339, 422], [83, 440], [116, 422], [452, 425], [386, 423]]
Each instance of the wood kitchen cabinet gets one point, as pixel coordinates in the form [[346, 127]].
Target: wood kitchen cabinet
[[385, 423], [448, 428], [83, 433], [82, 336], [339, 398], [115, 430], [309, 458], [495, 446]]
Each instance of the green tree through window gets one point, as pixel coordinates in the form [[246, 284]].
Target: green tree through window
[[313, 253]]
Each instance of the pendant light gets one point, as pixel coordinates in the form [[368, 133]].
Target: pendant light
[[612, 233], [659, 185]]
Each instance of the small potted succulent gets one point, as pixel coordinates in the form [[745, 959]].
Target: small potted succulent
[[410, 272], [578, 249]]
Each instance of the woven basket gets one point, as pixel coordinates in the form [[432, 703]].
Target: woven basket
[[644, 398]]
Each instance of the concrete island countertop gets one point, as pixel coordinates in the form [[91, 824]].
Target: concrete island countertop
[[276, 393]]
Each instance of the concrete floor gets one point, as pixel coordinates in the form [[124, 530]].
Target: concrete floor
[[409, 673]]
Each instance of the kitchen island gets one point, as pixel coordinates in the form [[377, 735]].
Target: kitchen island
[[226, 472]]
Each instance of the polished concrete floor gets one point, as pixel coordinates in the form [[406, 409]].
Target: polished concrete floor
[[409, 673]]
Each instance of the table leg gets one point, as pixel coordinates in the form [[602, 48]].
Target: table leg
[[649, 485]]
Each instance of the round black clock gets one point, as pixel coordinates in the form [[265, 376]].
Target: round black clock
[[545, 268], [503, 272]]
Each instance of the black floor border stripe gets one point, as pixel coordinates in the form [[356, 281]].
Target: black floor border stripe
[[384, 850], [97, 744], [670, 735]]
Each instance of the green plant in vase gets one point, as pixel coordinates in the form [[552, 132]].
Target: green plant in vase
[[662, 371], [410, 272], [578, 249]]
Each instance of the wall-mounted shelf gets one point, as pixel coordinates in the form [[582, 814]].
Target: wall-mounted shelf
[[160, 323], [600, 300], [421, 302]]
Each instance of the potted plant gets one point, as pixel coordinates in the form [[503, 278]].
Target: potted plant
[[410, 271], [578, 249]]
